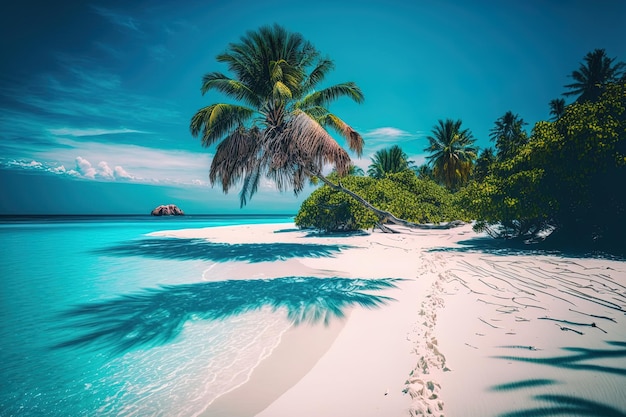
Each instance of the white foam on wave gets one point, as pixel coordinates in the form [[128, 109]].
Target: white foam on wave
[[183, 378]]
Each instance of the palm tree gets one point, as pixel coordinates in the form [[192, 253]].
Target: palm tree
[[388, 161], [484, 164], [593, 75], [424, 172], [279, 128], [557, 108], [452, 153], [508, 134]]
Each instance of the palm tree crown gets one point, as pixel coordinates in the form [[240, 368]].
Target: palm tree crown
[[278, 129], [452, 153], [557, 108], [593, 75], [508, 134], [388, 161]]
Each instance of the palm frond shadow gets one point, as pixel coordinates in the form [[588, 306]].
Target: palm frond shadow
[[200, 249], [580, 358], [156, 316], [565, 405], [512, 247]]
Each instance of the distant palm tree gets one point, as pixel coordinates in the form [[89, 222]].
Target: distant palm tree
[[452, 153], [424, 172], [356, 171], [508, 134], [483, 164], [279, 129], [388, 161], [593, 75], [557, 108]]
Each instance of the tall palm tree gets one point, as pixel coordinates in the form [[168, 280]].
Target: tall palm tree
[[557, 108], [593, 75], [508, 134], [452, 153], [388, 161], [278, 129]]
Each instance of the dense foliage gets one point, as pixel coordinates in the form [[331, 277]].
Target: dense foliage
[[403, 194], [569, 176]]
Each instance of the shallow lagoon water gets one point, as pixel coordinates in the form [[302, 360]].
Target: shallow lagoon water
[[50, 265], [100, 317]]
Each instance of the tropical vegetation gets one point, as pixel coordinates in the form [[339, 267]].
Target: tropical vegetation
[[561, 179], [388, 161], [452, 153], [403, 194]]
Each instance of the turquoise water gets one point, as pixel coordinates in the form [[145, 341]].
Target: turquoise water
[[97, 317], [49, 265]]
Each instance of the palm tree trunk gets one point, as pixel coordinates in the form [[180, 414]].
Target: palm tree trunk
[[384, 216]]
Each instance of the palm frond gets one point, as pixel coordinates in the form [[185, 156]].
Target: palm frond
[[311, 146], [316, 112], [232, 88], [324, 66], [332, 93], [235, 157], [250, 185], [354, 139], [281, 91], [217, 120]]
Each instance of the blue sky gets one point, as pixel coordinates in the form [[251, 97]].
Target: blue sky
[[96, 96]]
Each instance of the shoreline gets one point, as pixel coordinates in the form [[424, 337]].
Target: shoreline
[[457, 313], [300, 348]]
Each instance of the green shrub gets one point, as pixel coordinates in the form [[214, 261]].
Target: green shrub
[[402, 194]]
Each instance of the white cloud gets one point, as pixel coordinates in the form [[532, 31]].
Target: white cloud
[[128, 162], [387, 133], [105, 171], [84, 168], [91, 132], [23, 164], [120, 174]]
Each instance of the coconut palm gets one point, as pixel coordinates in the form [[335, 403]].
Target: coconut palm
[[452, 153], [278, 129], [388, 161], [557, 108], [508, 134], [593, 75]]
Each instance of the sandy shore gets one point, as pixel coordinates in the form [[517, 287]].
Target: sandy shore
[[471, 329]]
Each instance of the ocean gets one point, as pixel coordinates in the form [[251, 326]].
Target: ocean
[[65, 287]]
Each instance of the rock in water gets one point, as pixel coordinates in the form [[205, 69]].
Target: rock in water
[[167, 210]]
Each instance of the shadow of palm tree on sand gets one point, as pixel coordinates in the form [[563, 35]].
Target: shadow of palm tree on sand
[[566, 405], [200, 249], [156, 316]]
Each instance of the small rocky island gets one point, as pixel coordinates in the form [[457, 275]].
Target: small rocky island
[[167, 210]]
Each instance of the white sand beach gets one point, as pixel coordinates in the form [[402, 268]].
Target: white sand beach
[[473, 330]]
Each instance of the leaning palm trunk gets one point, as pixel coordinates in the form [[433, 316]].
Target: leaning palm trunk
[[384, 216]]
